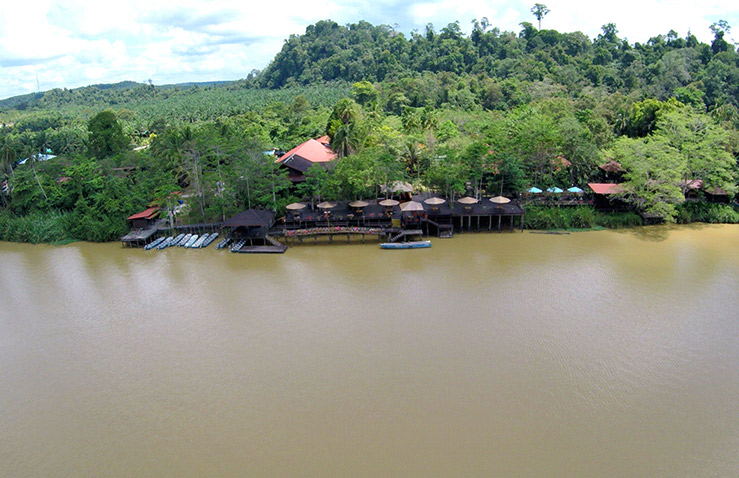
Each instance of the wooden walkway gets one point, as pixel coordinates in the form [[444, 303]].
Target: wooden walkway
[[261, 249], [332, 231]]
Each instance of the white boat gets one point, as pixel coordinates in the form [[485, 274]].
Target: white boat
[[238, 245], [177, 239], [406, 245], [224, 243], [210, 239], [154, 244], [184, 240], [165, 243], [199, 243], [192, 240]]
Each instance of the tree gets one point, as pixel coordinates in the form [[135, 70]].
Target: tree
[[365, 93], [343, 127], [167, 196], [704, 147], [539, 10], [653, 170], [32, 156], [719, 29], [7, 156], [314, 186], [106, 135]]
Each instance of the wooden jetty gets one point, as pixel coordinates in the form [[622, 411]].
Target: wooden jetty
[[251, 231]]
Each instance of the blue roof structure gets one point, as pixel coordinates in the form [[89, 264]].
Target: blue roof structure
[[38, 157]]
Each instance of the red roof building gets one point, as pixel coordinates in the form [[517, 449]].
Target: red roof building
[[300, 159], [148, 214], [605, 188], [144, 220]]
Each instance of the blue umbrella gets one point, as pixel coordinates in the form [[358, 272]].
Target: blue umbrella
[[554, 190], [574, 189], [535, 190]]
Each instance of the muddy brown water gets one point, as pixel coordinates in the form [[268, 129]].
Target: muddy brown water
[[604, 353]]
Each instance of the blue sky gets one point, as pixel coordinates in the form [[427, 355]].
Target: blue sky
[[75, 43]]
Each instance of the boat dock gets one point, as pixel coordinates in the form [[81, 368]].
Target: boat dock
[[258, 231]]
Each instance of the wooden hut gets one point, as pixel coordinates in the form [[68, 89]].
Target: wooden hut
[[250, 232], [604, 196], [144, 226]]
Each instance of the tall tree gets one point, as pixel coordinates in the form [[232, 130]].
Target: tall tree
[[653, 171], [704, 147], [106, 135], [540, 11]]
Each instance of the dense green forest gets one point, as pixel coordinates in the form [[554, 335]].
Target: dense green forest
[[477, 114]]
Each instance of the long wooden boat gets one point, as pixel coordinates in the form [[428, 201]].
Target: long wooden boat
[[210, 239], [165, 243], [191, 241], [406, 245], [199, 243], [154, 244], [184, 240], [223, 243]]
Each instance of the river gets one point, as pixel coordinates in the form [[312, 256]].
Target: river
[[603, 353]]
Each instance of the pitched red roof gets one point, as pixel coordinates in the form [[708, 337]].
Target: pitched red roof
[[312, 150], [148, 214], [605, 188]]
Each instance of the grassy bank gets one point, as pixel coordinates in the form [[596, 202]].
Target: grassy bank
[[707, 212], [584, 217], [36, 228]]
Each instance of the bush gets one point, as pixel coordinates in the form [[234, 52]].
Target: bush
[[618, 220], [707, 212], [585, 217], [36, 227]]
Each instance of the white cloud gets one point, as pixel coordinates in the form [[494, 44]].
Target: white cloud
[[72, 43]]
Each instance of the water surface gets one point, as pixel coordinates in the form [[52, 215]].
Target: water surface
[[606, 353]]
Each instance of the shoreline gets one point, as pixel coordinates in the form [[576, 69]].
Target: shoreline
[[543, 232]]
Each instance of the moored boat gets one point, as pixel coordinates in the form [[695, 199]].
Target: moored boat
[[165, 243], [210, 239], [184, 240], [177, 239], [199, 243], [153, 244], [406, 245], [192, 240], [237, 247]]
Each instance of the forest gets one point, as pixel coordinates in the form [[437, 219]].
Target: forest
[[489, 112]]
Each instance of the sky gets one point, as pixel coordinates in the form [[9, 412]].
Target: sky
[[47, 44]]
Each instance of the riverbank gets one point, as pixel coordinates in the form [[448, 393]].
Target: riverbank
[[56, 228]]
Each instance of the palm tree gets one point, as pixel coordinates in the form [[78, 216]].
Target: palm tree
[[7, 156], [32, 160]]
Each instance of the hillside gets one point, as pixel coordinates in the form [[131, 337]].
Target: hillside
[[667, 65]]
